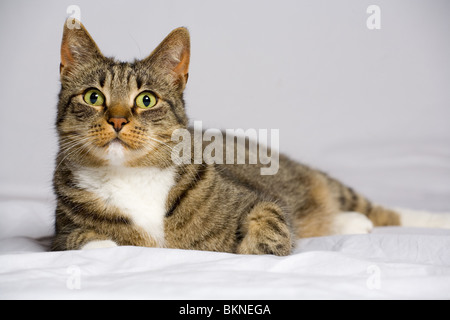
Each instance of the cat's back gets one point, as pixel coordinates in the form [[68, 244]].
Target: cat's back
[[291, 182]]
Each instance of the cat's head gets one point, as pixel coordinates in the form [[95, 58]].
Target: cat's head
[[119, 113]]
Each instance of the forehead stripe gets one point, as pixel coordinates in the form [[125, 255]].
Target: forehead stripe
[[138, 82], [102, 79]]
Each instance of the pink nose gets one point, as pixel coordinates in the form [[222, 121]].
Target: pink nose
[[117, 123]]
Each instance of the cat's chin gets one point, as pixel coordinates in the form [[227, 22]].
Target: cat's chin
[[115, 153]]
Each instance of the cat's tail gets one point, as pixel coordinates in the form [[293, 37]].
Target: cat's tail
[[426, 219], [350, 201]]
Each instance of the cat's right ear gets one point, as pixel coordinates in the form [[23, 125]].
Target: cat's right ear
[[77, 47], [172, 57]]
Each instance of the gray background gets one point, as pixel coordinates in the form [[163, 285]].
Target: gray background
[[371, 107]]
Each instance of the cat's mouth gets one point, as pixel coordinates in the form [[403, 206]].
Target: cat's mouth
[[116, 142], [118, 151]]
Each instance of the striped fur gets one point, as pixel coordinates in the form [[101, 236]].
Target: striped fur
[[230, 208]]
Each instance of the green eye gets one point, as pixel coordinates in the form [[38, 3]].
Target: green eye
[[146, 100], [94, 97]]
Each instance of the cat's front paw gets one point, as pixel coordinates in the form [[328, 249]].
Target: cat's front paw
[[99, 244]]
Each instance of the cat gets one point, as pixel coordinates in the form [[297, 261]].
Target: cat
[[116, 185]]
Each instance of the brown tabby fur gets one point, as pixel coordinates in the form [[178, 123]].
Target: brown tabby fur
[[230, 208]]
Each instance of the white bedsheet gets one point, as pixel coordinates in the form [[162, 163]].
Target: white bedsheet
[[391, 263]]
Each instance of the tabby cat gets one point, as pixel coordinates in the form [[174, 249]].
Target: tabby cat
[[116, 184]]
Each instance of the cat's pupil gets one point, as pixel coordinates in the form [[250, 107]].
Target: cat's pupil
[[146, 100], [93, 98]]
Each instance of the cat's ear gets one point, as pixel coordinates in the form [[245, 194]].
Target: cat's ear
[[77, 47], [172, 56]]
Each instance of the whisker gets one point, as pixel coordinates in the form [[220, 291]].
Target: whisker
[[163, 143], [72, 148]]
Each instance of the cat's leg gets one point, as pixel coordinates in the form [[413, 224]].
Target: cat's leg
[[82, 239], [266, 231], [89, 239]]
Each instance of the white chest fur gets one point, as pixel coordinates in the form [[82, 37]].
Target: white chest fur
[[139, 193]]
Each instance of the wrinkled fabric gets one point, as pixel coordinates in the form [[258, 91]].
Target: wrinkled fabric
[[390, 263]]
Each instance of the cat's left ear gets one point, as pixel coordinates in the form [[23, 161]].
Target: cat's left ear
[[172, 57], [77, 47]]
